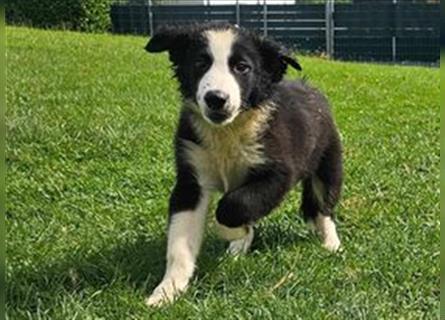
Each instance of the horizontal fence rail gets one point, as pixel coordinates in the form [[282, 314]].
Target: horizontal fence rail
[[385, 30]]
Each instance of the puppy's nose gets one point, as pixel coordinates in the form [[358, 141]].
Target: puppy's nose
[[216, 99]]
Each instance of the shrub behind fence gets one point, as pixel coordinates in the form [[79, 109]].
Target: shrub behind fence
[[82, 15]]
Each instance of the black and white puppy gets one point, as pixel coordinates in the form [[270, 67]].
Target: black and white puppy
[[246, 132]]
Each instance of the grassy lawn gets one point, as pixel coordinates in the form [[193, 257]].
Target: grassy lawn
[[90, 121]]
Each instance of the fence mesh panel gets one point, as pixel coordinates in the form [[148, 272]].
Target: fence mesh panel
[[371, 30]]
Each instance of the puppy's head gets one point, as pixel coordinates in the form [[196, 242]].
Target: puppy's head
[[223, 70]]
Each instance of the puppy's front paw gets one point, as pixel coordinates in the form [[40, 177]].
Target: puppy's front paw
[[231, 234], [241, 246], [165, 293]]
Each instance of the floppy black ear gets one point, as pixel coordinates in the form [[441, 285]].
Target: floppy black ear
[[172, 39], [165, 38], [276, 59], [293, 62]]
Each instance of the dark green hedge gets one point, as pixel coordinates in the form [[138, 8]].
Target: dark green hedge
[[83, 15]]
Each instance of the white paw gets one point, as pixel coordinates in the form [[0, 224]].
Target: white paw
[[165, 293], [230, 234], [241, 246], [332, 244], [326, 228]]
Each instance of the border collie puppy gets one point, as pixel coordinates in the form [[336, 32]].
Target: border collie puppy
[[246, 132]]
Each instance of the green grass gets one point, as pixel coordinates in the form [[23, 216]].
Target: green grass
[[90, 120]]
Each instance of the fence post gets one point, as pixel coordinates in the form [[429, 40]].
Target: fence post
[[238, 22], [332, 29], [265, 18], [394, 36], [150, 18], [329, 22]]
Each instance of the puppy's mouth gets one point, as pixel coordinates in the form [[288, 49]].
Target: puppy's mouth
[[218, 117]]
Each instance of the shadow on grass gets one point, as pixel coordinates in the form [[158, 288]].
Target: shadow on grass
[[138, 265]]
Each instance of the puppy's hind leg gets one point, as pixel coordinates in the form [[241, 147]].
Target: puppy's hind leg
[[321, 193]]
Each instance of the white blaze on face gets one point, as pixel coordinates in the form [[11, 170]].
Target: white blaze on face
[[219, 77]]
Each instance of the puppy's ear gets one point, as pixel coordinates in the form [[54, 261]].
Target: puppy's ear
[[169, 38], [166, 38], [293, 62], [276, 59]]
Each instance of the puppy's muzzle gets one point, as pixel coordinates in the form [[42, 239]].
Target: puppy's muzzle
[[217, 106]]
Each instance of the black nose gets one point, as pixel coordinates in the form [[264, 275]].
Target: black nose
[[215, 99]]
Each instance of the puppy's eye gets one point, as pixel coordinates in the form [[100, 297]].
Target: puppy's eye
[[202, 62], [241, 67]]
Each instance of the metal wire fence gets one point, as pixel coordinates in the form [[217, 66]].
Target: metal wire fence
[[378, 30]]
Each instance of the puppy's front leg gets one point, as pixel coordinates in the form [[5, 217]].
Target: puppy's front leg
[[239, 209], [188, 208]]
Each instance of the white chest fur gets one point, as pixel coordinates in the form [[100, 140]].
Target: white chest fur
[[226, 153]]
